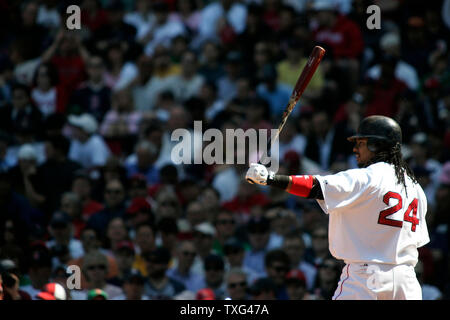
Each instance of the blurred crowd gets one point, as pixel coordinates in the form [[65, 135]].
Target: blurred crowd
[[91, 204]]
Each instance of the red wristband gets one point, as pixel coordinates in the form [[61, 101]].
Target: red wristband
[[301, 185]]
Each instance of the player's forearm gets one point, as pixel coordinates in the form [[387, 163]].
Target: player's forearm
[[304, 186]]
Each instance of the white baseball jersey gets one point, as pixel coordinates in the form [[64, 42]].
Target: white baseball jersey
[[372, 218]]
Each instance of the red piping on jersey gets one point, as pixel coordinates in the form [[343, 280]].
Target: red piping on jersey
[[342, 284]]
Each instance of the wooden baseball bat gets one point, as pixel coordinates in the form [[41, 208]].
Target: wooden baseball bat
[[308, 71]]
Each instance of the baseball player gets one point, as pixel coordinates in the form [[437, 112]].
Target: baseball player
[[376, 214]]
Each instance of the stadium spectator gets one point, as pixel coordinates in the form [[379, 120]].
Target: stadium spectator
[[145, 243], [237, 285], [182, 269], [133, 287], [258, 234], [87, 148], [159, 285], [114, 207], [93, 95], [294, 246], [215, 275], [95, 268]]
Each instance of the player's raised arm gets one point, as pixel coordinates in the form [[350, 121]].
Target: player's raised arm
[[305, 186]]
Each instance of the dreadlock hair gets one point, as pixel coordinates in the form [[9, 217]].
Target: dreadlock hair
[[393, 156]]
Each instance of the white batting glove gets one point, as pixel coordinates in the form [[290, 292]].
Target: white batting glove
[[257, 173]]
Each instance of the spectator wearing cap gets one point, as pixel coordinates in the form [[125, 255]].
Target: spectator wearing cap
[[214, 266], [277, 265], [24, 176], [55, 175], [158, 285], [182, 267], [60, 275], [39, 269], [114, 195], [390, 44], [95, 269], [52, 291], [237, 285], [93, 95], [296, 286], [124, 255], [61, 232], [203, 237], [163, 31], [97, 294], [258, 233], [263, 289], [296, 59], [294, 246], [145, 243], [87, 148], [205, 294], [133, 287]]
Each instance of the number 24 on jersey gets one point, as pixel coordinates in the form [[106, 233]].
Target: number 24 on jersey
[[383, 217]]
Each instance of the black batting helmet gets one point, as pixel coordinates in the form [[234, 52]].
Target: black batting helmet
[[383, 133]]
